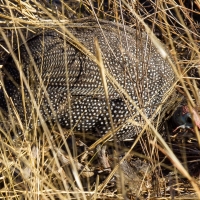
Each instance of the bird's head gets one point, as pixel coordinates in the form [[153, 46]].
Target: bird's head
[[184, 117]]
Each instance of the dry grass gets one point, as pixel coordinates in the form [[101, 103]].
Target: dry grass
[[49, 162]]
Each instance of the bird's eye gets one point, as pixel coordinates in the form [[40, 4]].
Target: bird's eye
[[188, 119]]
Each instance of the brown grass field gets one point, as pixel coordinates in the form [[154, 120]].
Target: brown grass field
[[50, 162]]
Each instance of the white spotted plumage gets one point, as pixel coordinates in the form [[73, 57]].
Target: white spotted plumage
[[130, 58]]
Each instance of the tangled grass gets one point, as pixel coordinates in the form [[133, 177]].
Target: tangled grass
[[50, 163]]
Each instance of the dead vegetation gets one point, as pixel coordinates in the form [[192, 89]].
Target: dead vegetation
[[49, 162]]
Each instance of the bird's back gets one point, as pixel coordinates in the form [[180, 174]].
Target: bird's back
[[67, 86]]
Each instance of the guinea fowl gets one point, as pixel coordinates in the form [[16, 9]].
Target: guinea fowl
[[67, 86]]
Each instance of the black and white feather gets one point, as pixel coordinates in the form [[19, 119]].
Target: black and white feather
[[129, 56]]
